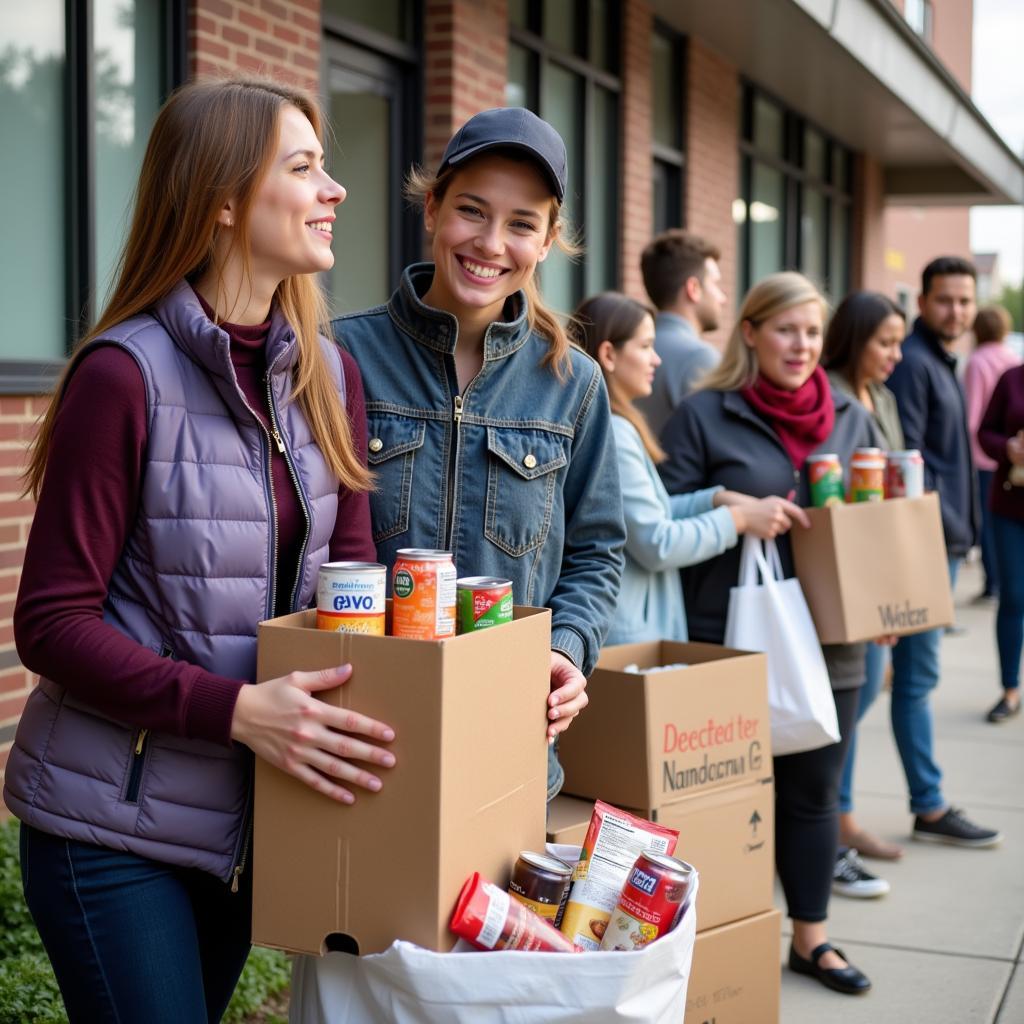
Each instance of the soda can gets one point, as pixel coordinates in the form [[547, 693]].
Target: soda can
[[423, 588], [867, 478], [904, 474], [483, 601], [825, 473], [652, 902], [873, 453], [541, 882], [350, 597]]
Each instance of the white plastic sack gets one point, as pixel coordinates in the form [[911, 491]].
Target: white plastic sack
[[409, 985], [772, 616]]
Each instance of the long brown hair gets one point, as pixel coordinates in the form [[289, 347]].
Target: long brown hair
[[419, 185], [213, 142], [614, 317]]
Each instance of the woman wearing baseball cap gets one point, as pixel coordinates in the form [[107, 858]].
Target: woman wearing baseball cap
[[489, 433]]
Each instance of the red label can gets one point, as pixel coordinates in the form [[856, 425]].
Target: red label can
[[423, 589], [651, 903], [904, 474]]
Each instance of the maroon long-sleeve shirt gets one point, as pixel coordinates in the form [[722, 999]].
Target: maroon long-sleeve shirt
[[1003, 418], [86, 510]]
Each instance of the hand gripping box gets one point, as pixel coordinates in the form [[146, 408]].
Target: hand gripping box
[[874, 568], [651, 738], [467, 792]]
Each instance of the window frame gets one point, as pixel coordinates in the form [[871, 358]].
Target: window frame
[[672, 159]]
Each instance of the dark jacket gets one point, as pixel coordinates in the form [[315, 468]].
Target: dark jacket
[[715, 438], [934, 417], [1003, 418]]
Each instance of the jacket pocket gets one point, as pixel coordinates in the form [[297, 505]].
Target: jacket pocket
[[522, 475], [391, 453]]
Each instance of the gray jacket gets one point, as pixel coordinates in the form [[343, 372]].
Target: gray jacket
[[716, 439], [196, 576], [684, 360]]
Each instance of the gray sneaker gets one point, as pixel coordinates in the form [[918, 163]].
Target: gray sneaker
[[956, 829], [850, 878]]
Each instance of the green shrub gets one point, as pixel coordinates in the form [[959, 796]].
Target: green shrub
[[28, 989]]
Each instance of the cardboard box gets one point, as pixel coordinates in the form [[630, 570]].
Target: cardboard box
[[568, 820], [649, 739], [728, 835], [467, 792], [874, 568], [736, 973]]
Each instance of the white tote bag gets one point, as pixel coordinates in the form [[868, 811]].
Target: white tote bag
[[768, 613], [409, 985]]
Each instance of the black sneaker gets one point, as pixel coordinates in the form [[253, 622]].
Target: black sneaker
[[850, 879], [956, 829], [1003, 710]]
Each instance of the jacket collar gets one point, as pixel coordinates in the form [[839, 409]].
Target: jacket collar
[[933, 342], [439, 330]]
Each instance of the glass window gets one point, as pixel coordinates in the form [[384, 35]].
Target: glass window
[[32, 169], [519, 13], [666, 90], [390, 17], [667, 196], [560, 24], [812, 236], [767, 229], [519, 91], [601, 52], [601, 220], [840, 169], [839, 245], [768, 126], [814, 154]]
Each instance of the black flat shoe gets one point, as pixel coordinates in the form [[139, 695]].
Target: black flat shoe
[[847, 980], [1003, 711]]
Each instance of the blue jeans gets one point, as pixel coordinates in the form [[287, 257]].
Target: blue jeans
[[989, 559], [874, 669], [131, 939], [1009, 543], [915, 673]]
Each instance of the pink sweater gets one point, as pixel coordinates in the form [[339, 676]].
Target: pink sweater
[[988, 363]]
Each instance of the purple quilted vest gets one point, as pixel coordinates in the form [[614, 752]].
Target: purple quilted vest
[[193, 581]]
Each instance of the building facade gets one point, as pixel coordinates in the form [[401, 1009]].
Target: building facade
[[806, 134]]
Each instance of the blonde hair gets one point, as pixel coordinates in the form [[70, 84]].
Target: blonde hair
[[212, 142], [770, 296], [421, 185]]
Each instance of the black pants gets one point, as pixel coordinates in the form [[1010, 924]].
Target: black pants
[[807, 817]]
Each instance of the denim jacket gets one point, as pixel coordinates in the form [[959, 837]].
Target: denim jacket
[[517, 476]]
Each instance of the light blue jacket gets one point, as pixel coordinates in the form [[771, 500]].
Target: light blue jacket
[[663, 534]]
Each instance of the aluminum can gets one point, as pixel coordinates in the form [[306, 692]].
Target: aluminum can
[[825, 473], [483, 601], [489, 918], [541, 882], [423, 588], [875, 453], [904, 474], [867, 478], [350, 597], [652, 902]]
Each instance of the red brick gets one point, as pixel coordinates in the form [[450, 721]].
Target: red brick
[[287, 35], [306, 22], [271, 49], [253, 21], [274, 9], [221, 8]]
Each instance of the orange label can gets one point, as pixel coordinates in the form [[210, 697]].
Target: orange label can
[[423, 588], [350, 597], [867, 478]]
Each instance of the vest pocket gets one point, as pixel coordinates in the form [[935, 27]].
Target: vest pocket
[[137, 763], [391, 451]]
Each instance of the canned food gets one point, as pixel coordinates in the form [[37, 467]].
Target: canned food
[[483, 601], [867, 478], [541, 883], [423, 588], [350, 597], [489, 918], [651, 904], [904, 474], [825, 473]]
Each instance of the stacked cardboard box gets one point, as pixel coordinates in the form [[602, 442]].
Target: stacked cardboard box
[[689, 747]]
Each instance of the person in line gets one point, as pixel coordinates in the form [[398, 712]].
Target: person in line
[[933, 415], [663, 534], [490, 433], [750, 428], [683, 279], [1001, 435], [232, 470], [989, 361], [862, 348]]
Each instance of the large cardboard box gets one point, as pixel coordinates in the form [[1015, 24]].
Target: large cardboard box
[[874, 568], [467, 792], [736, 973], [728, 835], [568, 820], [649, 739]]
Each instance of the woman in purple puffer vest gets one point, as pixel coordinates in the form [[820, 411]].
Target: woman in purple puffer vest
[[192, 472]]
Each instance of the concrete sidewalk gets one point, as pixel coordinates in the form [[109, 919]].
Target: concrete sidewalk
[[945, 944]]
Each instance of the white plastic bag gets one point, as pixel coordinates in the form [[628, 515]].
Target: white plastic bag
[[409, 985], [772, 616]]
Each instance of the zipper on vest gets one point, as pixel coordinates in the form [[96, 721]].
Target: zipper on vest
[[239, 868], [131, 793], [298, 490]]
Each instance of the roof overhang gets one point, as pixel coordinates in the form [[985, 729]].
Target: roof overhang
[[860, 72]]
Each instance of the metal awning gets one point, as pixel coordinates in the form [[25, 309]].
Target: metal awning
[[860, 72]]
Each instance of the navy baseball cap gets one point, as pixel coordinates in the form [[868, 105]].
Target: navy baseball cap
[[510, 128]]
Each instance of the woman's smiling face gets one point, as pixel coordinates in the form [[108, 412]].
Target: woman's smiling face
[[489, 232]]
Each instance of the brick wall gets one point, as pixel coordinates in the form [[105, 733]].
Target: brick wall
[[868, 263], [713, 162]]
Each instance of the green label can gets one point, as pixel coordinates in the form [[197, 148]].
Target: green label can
[[825, 475], [482, 602]]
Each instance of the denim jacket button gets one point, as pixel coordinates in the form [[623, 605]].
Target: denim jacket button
[[375, 444], [529, 461]]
